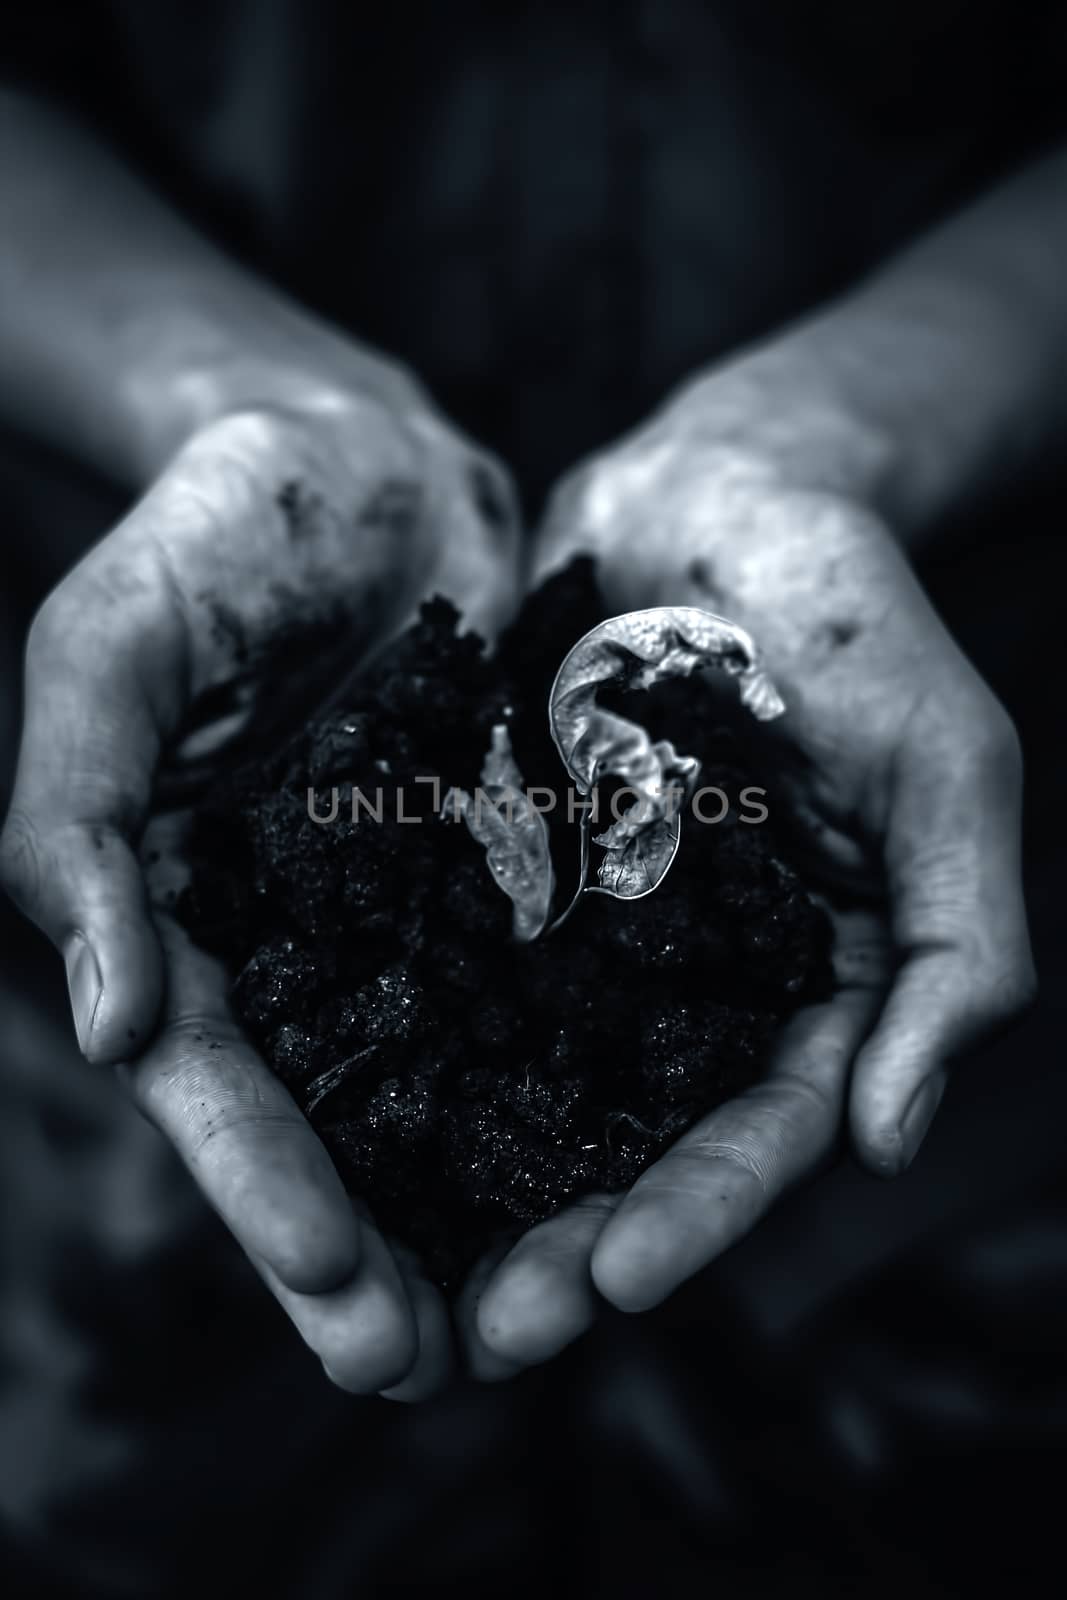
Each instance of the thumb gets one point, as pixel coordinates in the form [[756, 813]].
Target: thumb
[[959, 924], [98, 679]]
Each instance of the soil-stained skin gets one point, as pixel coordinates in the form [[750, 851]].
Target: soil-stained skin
[[304, 511], [395, 508]]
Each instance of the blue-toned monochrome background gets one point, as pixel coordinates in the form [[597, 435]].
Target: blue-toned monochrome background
[[553, 213]]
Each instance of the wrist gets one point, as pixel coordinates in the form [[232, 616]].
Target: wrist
[[200, 360], [916, 394], [783, 420], [907, 398]]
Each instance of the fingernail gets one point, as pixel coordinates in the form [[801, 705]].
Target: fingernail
[[85, 985], [919, 1115]]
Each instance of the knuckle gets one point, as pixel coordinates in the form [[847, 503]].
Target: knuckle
[[213, 1094], [744, 1160], [814, 1085]]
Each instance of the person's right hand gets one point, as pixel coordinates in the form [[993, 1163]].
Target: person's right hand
[[341, 508]]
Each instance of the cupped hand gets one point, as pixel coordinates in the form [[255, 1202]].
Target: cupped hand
[[899, 776], [329, 518]]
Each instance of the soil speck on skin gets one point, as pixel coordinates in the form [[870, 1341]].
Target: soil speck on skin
[[227, 628], [462, 1083], [394, 507], [303, 512], [839, 634]]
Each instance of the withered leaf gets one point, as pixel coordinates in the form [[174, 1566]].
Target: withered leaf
[[514, 835], [636, 650]]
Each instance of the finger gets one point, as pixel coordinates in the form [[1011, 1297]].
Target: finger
[[960, 924], [435, 1362], [721, 1177], [541, 1297], [251, 1151], [91, 737], [481, 1362], [363, 1332]]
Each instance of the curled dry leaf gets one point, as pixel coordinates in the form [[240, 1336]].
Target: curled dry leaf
[[513, 834], [635, 651]]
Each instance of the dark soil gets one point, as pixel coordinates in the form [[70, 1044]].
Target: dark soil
[[463, 1083]]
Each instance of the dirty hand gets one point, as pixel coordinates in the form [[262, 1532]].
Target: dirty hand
[[335, 513], [898, 774]]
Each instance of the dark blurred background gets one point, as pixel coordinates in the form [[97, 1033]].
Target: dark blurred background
[[553, 213]]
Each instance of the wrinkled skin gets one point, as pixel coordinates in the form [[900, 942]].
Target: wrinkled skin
[[339, 517], [901, 773]]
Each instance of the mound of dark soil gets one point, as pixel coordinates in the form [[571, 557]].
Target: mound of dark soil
[[464, 1083]]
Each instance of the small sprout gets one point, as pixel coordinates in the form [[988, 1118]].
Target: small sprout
[[513, 834], [637, 650]]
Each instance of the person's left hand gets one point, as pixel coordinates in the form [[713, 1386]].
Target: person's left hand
[[899, 776]]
